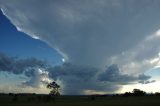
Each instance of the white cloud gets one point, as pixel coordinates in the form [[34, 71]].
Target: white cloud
[[63, 60], [38, 79], [157, 33]]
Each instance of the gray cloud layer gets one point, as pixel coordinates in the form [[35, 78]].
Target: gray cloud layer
[[79, 78], [75, 78], [85, 32], [18, 66], [92, 34], [113, 74], [30, 67]]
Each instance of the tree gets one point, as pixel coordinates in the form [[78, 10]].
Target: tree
[[138, 92], [55, 88], [126, 94]]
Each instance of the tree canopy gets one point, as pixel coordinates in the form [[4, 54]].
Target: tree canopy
[[55, 88]]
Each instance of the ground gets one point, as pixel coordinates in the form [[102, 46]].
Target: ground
[[34, 100]]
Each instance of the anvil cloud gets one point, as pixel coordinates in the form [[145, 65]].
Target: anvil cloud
[[93, 33]]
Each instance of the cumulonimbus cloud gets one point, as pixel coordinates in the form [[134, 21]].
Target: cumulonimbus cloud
[[85, 32], [92, 33]]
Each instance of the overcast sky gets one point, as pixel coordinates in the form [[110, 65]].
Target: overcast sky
[[87, 46]]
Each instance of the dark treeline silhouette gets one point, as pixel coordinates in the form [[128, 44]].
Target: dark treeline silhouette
[[28, 97], [32, 97], [135, 92]]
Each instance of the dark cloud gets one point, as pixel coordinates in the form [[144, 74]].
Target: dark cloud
[[68, 69], [30, 67], [75, 79], [112, 74], [18, 66], [143, 77], [147, 82]]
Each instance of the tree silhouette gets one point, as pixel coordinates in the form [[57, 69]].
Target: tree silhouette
[[55, 88], [138, 92], [126, 94]]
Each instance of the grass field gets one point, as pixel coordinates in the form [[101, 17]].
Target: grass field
[[35, 100]]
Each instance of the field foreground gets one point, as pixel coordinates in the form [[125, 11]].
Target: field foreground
[[34, 100]]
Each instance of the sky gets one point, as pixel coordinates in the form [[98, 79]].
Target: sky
[[86, 46]]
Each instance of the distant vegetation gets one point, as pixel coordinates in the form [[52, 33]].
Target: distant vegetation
[[135, 98]]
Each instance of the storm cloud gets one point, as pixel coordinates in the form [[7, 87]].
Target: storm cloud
[[74, 79], [91, 34], [85, 32], [32, 68], [113, 74], [18, 66]]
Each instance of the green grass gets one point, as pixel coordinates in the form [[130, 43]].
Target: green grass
[[81, 101]]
